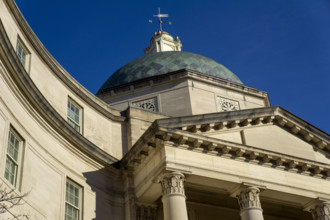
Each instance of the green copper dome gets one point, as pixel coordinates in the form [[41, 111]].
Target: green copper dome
[[164, 62]]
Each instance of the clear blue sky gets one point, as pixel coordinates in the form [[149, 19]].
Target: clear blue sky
[[278, 46]]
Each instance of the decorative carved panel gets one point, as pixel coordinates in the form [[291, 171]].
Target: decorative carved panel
[[148, 104], [225, 104]]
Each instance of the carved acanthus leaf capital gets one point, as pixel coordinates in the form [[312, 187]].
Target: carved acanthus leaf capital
[[249, 198], [321, 211], [172, 183]]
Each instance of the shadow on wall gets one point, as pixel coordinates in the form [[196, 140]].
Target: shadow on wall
[[106, 194], [124, 139]]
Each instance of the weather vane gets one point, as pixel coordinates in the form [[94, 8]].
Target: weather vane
[[160, 16]]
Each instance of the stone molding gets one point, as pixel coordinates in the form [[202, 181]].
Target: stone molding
[[157, 136], [178, 75], [146, 212], [59, 71], [256, 117], [248, 154], [321, 211], [172, 184], [43, 107], [249, 199]]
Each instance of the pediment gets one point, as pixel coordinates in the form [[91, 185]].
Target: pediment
[[270, 128], [274, 138], [270, 137]]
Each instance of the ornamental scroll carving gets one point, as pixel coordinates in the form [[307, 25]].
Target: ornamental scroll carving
[[322, 211], [249, 198], [148, 104], [172, 183], [225, 105]]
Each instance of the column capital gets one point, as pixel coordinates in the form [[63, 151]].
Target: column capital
[[248, 198], [321, 210], [172, 183]]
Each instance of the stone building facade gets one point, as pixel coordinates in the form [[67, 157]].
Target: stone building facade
[[171, 135]]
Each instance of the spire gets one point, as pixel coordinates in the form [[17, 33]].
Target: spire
[[162, 41]]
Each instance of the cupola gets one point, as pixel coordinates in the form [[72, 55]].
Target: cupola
[[163, 41]]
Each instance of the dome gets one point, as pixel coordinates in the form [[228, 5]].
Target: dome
[[160, 63]]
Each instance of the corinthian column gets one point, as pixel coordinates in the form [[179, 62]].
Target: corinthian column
[[249, 204], [174, 199], [321, 211]]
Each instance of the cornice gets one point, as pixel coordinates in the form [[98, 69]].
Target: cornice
[[42, 106], [141, 149], [190, 137], [179, 75], [59, 71], [250, 117]]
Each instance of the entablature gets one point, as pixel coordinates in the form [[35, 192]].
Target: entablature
[[186, 133], [241, 119]]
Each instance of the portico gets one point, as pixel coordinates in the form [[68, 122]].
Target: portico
[[180, 172]]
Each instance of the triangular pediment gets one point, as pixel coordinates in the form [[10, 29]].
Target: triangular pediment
[[270, 128], [273, 138], [269, 137]]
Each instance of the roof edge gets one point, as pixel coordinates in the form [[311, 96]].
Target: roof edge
[[59, 71], [154, 80], [158, 136], [240, 114], [42, 106], [276, 114], [158, 63]]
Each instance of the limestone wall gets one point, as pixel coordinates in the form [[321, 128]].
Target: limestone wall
[[139, 122], [276, 139], [273, 138], [48, 160], [50, 155], [190, 97], [205, 97], [173, 98], [97, 126]]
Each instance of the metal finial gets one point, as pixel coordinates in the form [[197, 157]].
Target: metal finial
[[160, 16]]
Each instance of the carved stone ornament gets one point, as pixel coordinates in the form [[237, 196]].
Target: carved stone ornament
[[172, 183], [145, 212], [225, 105], [148, 104], [249, 198], [321, 211]]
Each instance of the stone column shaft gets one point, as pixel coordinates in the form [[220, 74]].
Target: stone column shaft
[[249, 203], [174, 199]]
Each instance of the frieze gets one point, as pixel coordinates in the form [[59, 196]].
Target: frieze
[[230, 150], [187, 137]]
